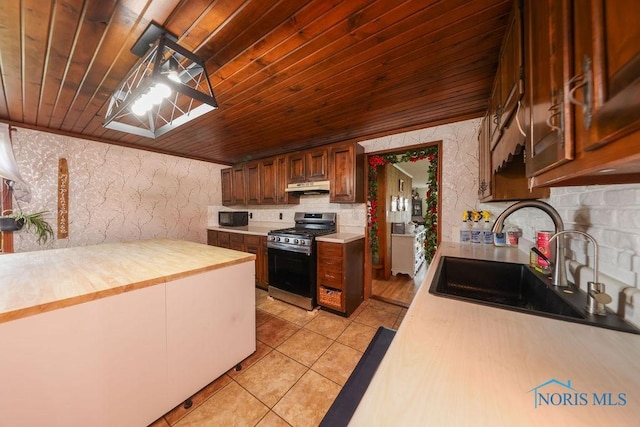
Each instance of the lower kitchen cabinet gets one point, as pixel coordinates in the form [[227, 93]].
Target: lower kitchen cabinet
[[340, 276], [251, 243]]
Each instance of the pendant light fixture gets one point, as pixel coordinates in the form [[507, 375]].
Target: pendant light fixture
[[168, 87]]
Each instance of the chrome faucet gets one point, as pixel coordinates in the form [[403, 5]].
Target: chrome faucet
[[596, 296], [559, 275]]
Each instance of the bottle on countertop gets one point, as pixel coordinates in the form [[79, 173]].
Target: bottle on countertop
[[487, 234], [465, 230], [476, 229], [513, 236]]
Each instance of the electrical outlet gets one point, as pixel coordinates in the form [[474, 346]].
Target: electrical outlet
[[280, 215], [250, 215]]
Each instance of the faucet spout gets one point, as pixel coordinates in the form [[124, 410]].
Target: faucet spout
[[559, 275], [596, 296]]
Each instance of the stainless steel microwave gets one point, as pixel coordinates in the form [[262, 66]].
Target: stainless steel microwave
[[233, 219]]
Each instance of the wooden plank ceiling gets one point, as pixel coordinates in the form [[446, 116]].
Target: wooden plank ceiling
[[287, 74]]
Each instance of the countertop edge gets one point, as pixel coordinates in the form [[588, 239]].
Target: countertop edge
[[252, 230], [340, 238]]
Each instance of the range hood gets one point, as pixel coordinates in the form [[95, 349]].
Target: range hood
[[317, 187]]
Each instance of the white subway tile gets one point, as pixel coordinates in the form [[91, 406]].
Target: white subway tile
[[622, 195]]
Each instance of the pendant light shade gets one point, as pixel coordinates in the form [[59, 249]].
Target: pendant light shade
[[168, 87]]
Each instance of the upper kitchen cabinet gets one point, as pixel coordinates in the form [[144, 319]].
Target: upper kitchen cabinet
[[309, 165], [508, 87], [548, 68], [346, 173], [502, 174], [269, 180], [585, 116], [226, 184], [238, 186], [233, 190], [615, 68], [252, 185], [511, 68], [507, 180], [273, 181]]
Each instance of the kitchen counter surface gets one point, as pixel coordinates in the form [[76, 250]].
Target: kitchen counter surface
[[465, 364], [340, 237], [39, 281], [247, 229]]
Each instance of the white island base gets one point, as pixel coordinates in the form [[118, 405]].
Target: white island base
[[127, 359]]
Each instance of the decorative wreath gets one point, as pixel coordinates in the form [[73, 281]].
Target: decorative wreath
[[431, 196]]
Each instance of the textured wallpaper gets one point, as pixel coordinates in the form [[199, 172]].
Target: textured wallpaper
[[115, 193]]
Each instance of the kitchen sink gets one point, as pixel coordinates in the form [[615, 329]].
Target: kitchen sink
[[516, 287]]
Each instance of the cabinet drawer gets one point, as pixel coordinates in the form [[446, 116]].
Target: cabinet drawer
[[236, 238], [330, 262], [330, 250], [330, 276], [252, 240]]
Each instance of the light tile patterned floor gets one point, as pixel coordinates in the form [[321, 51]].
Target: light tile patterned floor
[[301, 362]]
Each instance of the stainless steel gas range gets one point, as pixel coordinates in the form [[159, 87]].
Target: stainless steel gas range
[[292, 258]]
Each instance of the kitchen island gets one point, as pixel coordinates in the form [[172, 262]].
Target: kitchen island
[[464, 364], [119, 333]]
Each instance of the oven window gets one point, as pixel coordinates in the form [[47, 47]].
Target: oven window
[[292, 272]]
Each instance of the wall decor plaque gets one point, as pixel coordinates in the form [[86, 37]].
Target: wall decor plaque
[[63, 199]]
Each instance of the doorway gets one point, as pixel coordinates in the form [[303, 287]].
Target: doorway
[[404, 199]]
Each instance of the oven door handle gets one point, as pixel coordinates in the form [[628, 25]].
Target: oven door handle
[[288, 248]]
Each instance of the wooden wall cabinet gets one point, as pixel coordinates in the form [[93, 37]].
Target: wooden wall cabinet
[[508, 87], [269, 181], [484, 158], [340, 276], [263, 182], [346, 173], [509, 181], [309, 165], [273, 181], [226, 183], [232, 181], [590, 85], [252, 183], [502, 171]]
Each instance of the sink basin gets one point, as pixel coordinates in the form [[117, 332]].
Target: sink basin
[[515, 287]]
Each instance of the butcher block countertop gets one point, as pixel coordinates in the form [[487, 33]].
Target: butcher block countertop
[[454, 363], [39, 281]]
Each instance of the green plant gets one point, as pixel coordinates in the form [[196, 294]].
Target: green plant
[[35, 223]]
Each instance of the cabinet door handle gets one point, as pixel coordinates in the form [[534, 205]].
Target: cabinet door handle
[[584, 81], [556, 112], [497, 114]]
